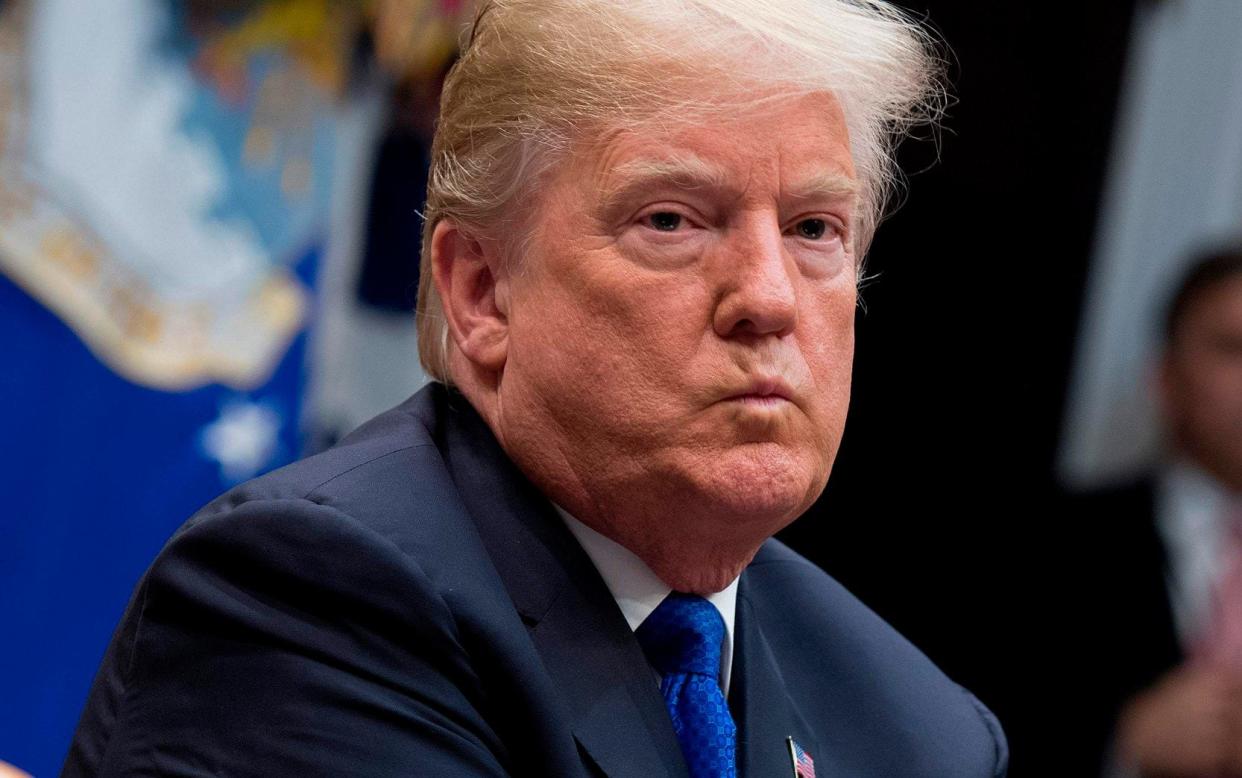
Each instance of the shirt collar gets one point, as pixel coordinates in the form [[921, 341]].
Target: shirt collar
[[1192, 503], [638, 591], [1190, 519]]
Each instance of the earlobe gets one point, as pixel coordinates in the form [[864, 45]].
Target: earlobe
[[470, 278]]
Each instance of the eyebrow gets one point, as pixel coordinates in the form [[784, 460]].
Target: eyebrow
[[684, 171], [825, 185]]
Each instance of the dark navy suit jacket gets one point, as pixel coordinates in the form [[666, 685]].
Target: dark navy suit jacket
[[408, 604]]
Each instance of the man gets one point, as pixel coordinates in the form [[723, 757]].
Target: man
[[1160, 585], [643, 232]]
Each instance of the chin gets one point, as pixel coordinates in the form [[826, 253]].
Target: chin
[[763, 483]]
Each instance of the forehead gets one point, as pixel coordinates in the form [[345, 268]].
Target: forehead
[[1219, 304], [795, 146]]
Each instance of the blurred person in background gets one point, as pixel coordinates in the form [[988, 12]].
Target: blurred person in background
[[1159, 577]]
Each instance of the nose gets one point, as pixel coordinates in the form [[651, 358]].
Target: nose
[[756, 294]]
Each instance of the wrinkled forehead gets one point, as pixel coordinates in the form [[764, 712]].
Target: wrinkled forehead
[[687, 169], [798, 144]]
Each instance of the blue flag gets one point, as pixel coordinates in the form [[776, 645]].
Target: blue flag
[[164, 183]]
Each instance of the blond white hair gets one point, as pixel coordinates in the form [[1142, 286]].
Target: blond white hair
[[536, 76]]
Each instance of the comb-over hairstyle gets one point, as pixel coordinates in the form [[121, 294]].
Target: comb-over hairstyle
[[536, 77]]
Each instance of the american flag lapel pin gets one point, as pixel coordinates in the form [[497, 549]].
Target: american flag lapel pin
[[802, 763]]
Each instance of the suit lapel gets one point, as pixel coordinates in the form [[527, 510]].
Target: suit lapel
[[590, 654], [618, 714], [762, 707]]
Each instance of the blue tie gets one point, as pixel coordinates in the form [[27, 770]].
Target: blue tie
[[682, 640]]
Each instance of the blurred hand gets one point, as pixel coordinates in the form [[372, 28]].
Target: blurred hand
[[1188, 724]]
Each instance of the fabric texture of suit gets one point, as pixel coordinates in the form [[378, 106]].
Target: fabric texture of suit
[[407, 603]]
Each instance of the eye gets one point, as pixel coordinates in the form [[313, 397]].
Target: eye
[[812, 229], [664, 221]]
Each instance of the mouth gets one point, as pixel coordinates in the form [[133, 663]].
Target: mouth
[[764, 392]]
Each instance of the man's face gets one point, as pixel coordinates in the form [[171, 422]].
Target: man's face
[[1202, 381], [681, 326]]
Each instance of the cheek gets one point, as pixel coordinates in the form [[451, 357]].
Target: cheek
[[613, 328], [1213, 381], [828, 347], [828, 338], [1224, 393], [652, 320]]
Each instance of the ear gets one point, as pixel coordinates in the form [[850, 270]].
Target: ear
[[473, 287]]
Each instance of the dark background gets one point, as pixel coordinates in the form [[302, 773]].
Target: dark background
[[940, 511]]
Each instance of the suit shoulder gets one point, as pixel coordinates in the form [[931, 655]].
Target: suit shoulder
[[299, 615], [371, 447], [782, 581], [825, 636], [384, 474], [778, 565], [385, 487]]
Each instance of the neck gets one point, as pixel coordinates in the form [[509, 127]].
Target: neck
[[696, 546], [1219, 469]]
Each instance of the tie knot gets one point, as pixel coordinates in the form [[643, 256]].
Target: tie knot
[[683, 635]]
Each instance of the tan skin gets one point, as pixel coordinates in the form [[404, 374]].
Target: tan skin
[[1190, 722], [670, 361], [1201, 383]]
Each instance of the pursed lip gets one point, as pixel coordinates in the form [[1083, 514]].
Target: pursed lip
[[764, 390]]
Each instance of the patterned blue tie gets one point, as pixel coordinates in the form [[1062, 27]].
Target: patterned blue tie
[[682, 640]]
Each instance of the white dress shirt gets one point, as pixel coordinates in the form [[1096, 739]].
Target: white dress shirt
[[1190, 517], [638, 591]]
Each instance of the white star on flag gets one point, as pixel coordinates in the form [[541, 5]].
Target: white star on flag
[[243, 440]]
